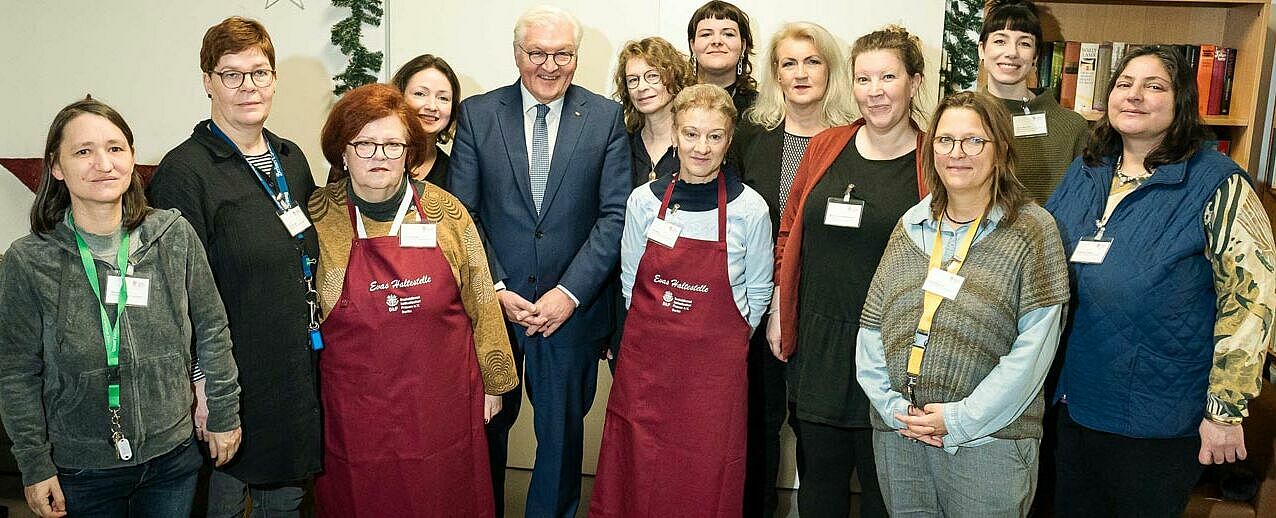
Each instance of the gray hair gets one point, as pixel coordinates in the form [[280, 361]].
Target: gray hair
[[543, 15]]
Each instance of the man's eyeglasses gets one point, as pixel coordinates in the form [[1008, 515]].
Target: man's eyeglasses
[[538, 57]]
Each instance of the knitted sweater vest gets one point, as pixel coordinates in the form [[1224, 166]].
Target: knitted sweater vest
[[1010, 272]]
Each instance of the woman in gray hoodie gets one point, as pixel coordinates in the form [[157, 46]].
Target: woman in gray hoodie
[[101, 305]]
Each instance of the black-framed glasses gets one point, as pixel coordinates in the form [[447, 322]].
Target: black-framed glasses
[[652, 77], [538, 57], [969, 145], [368, 149], [262, 77]]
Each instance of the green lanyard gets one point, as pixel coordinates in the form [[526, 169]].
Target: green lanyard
[[110, 333]]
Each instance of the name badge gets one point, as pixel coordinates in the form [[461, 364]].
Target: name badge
[[663, 232], [1030, 125], [295, 220], [843, 213], [139, 290], [942, 283], [1091, 251], [418, 235]]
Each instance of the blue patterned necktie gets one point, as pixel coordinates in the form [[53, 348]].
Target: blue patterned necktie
[[539, 167]]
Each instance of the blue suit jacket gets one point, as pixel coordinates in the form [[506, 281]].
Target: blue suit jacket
[[575, 241]]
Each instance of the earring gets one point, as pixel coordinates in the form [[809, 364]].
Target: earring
[[739, 66], [344, 167], [695, 65]]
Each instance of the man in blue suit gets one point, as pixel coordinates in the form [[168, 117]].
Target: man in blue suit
[[543, 166]]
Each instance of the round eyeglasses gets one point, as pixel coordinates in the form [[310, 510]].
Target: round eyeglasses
[[969, 145], [390, 150], [233, 79], [652, 77], [538, 57]]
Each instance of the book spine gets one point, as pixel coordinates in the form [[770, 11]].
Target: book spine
[[1056, 66], [1087, 67], [1229, 75], [1071, 60], [1216, 81], [1102, 77], [1204, 72], [1043, 64]]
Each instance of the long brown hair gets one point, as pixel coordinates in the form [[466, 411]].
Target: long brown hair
[[52, 197], [675, 73], [1006, 189]]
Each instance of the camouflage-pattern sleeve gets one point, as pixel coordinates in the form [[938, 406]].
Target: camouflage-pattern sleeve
[[1239, 237]]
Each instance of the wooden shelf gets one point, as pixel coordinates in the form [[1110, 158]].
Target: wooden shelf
[[1211, 120], [1239, 24]]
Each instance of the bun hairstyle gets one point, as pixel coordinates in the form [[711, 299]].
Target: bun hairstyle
[[905, 45], [1014, 15]]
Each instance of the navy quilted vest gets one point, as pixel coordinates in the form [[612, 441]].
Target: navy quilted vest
[[1139, 347]]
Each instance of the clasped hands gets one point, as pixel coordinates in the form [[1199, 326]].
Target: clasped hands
[[545, 316], [925, 424]]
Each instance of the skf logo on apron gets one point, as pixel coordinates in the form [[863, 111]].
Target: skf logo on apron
[[396, 304], [676, 304]]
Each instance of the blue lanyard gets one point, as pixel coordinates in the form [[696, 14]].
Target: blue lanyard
[[282, 198], [283, 202]]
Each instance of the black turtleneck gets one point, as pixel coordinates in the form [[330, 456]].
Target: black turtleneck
[[382, 210]]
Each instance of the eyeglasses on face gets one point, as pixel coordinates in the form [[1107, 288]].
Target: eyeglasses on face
[[262, 77], [538, 57], [969, 145], [368, 149], [652, 77]]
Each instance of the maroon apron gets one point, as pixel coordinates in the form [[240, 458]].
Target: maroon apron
[[401, 389], [674, 439]]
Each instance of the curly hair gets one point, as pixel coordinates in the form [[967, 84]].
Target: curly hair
[[675, 73]]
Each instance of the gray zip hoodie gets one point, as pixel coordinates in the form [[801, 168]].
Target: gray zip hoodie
[[53, 373]]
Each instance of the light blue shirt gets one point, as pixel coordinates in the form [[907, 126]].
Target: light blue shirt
[[1008, 389], [750, 250]]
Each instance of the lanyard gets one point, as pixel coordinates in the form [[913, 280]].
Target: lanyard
[[930, 301], [110, 333], [281, 198], [409, 197], [283, 203]]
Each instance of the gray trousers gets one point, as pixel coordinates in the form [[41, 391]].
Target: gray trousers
[[226, 499], [992, 480]]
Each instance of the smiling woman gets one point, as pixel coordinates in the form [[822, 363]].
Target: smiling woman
[[431, 88], [94, 447]]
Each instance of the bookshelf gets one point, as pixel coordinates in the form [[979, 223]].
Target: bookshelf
[[1240, 24]]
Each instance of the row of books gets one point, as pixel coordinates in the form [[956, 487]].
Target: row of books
[[1083, 71]]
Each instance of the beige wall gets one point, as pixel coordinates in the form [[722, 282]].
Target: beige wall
[[142, 58]]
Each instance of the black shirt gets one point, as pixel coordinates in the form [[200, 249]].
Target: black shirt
[[838, 264]]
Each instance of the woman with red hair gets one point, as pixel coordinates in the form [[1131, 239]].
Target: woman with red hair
[[416, 354]]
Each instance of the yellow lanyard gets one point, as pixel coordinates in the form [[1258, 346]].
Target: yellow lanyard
[[930, 301]]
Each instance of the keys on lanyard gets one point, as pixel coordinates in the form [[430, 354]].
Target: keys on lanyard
[[296, 221], [110, 332]]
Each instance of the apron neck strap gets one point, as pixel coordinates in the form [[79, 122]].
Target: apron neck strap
[[409, 198], [722, 203]]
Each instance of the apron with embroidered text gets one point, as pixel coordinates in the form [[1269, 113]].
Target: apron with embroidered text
[[674, 438], [401, 389]]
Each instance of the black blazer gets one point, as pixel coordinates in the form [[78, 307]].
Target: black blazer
[[758, 153]]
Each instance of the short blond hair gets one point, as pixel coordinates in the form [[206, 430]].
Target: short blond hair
[[706, 96]]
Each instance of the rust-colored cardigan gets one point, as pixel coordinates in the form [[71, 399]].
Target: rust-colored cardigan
[[820, 153]]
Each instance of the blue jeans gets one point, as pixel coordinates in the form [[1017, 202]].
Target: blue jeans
[[162, 487], [226, 498]]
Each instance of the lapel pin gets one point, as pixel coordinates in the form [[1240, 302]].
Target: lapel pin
[[576, 114]]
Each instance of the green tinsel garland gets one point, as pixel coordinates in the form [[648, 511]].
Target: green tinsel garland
[[346, 35]]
